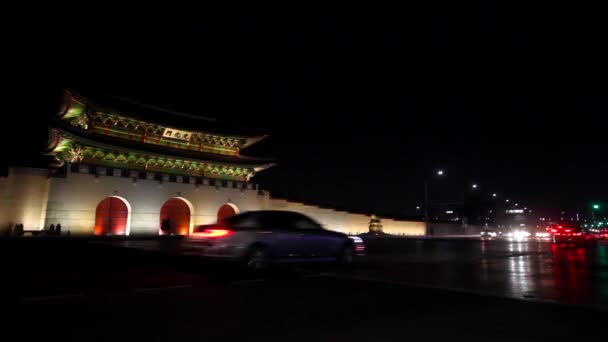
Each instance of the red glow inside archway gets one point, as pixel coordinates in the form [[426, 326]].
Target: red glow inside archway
[[111, 217], [177, 211], [225, 211]]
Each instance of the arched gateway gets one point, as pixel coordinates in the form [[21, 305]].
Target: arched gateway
[[176, 217], [226, 210], [112, 216]]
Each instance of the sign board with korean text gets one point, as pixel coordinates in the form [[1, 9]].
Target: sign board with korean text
[[176, 134]]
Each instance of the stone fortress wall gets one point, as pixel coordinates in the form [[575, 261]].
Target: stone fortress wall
[[31, 197]]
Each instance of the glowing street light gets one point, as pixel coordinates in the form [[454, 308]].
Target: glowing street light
[[494, 195], [474, 186], [595, 207], [439, 172]]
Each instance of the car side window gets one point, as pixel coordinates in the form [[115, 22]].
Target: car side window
[[306, 224], [247, 222], [278, 221]]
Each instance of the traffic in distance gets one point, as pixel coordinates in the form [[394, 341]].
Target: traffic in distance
[[564, 232], [258, 238]]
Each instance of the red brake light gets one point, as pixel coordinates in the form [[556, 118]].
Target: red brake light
[[214, 233], [554, 230]]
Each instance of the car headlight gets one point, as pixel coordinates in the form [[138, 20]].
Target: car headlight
[[520, 234]]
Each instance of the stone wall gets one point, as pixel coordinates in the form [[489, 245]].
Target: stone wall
[[345, 222], [23, 198], [73, 200], [29, 196]]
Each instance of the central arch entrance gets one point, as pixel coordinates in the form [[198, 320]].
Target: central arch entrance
[[112, 216], [226, 211], [176, 217]]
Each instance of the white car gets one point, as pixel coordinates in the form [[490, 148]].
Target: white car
[[261, 237]]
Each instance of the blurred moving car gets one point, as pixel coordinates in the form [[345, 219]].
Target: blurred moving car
[[490, 233], [542, 235], [518, 234], [603, 234], [570, 233], [261, 237]]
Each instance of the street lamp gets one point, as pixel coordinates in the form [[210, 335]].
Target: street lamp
[[439, 172], [494, 195], [474, 186]]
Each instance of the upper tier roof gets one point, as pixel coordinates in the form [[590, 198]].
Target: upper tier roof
[[111, 142], [153, 114]]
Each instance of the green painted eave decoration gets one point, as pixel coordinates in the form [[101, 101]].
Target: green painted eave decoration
[[72, 108], [67, 148]]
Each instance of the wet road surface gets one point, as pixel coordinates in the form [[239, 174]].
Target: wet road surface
[[529, 270], [77, 291]]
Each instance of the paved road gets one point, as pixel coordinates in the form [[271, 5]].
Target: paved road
[[530, 270], [76, 291], [533, 270]]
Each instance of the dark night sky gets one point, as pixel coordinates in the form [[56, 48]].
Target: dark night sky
[[361, 102]]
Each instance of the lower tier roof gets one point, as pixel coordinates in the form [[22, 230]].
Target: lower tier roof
[[66, 145]]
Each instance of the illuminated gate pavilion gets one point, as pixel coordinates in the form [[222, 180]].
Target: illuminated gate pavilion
[[142, 170]]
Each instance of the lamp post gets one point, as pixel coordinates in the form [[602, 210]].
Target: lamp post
[[426, 200], [594, 207]]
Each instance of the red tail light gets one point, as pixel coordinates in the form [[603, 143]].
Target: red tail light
[[554, 230], [568, 230], [214, 233]]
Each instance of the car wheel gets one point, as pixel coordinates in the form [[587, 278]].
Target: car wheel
[[347, 255], [258, 258]]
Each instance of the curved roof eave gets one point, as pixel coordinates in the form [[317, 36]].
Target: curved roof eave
[[240, 161], [176, 120]]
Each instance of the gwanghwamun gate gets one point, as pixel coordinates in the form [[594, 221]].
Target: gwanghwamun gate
[[121, 171]]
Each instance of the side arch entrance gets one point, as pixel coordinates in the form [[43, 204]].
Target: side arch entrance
[[226, 211], [176, 217], [112, 216]]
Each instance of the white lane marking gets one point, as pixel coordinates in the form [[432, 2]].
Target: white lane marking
[[82, 295], [248, 281], [53, 297], [175, 287], [317, 275], [522, 298]]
